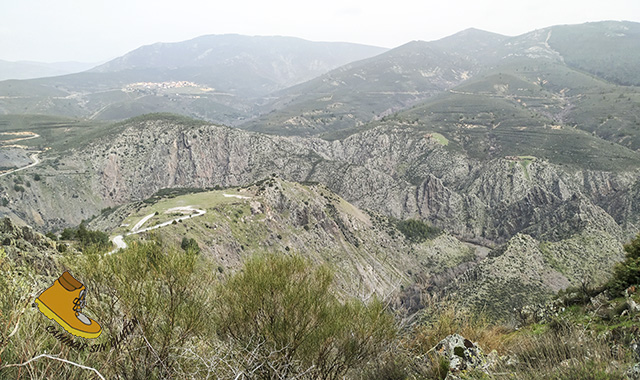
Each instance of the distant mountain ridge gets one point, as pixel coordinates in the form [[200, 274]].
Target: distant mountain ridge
[[271, 62], [366, 90], [31, 70], [289, 86], [219, 79], [550, 63], [609, 49]]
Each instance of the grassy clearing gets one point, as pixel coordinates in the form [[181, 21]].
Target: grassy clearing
[[440, 139], [203, 200], [486, 127], [58, 133]]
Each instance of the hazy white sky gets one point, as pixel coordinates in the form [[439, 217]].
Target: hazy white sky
[[98, 30]]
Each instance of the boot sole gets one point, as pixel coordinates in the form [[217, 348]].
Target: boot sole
[[44, 309]]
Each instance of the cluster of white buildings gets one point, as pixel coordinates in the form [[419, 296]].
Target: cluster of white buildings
[[154, 86]]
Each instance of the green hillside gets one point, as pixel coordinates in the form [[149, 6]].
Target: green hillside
[[486, 127], [367, 90], [56, 132], [610, 50]]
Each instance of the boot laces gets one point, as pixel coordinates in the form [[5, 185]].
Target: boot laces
[[79, 302]]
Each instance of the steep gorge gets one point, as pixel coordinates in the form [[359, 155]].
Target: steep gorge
[[568, 223], [391, 169]]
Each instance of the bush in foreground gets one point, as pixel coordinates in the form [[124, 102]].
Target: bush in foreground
[[627, 273], [281, 313]]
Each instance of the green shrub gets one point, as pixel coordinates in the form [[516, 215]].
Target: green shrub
[[281, 312], [627, 273], [190, 244], [68, 234], [18, 289], [417, 231], [87, 238], [159, 285]]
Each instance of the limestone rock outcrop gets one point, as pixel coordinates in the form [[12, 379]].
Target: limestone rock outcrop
[[462, 355]]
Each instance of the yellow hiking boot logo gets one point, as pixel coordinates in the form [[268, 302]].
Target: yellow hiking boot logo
[[63, 302]]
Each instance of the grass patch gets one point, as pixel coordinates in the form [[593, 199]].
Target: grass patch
[[440, 139], [524, 165], [417, 231], [170, 199]]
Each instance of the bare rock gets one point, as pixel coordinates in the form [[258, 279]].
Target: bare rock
[[633, 305], [633, 373], [462, 355]]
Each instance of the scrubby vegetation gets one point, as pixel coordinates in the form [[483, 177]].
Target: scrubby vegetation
[[277, 318], [190, 244], [281, 316], [86, 238], [417, 231], [627, 273], [280, 311]]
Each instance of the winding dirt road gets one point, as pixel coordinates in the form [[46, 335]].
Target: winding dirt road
[[34, 156], [119, 242]]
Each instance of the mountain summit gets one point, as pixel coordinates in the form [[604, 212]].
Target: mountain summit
[[255, 64]]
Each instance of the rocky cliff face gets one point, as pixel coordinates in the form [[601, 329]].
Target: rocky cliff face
[[560, 225], [391, 169], [366, 250], [525, 271]]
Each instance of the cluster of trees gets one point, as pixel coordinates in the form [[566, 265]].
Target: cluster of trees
[[86, 238], [417, 231]]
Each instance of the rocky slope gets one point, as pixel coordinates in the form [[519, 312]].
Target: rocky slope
[[562, 225], [368, 253], [525, 271], [393, 169], [29, 249]]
